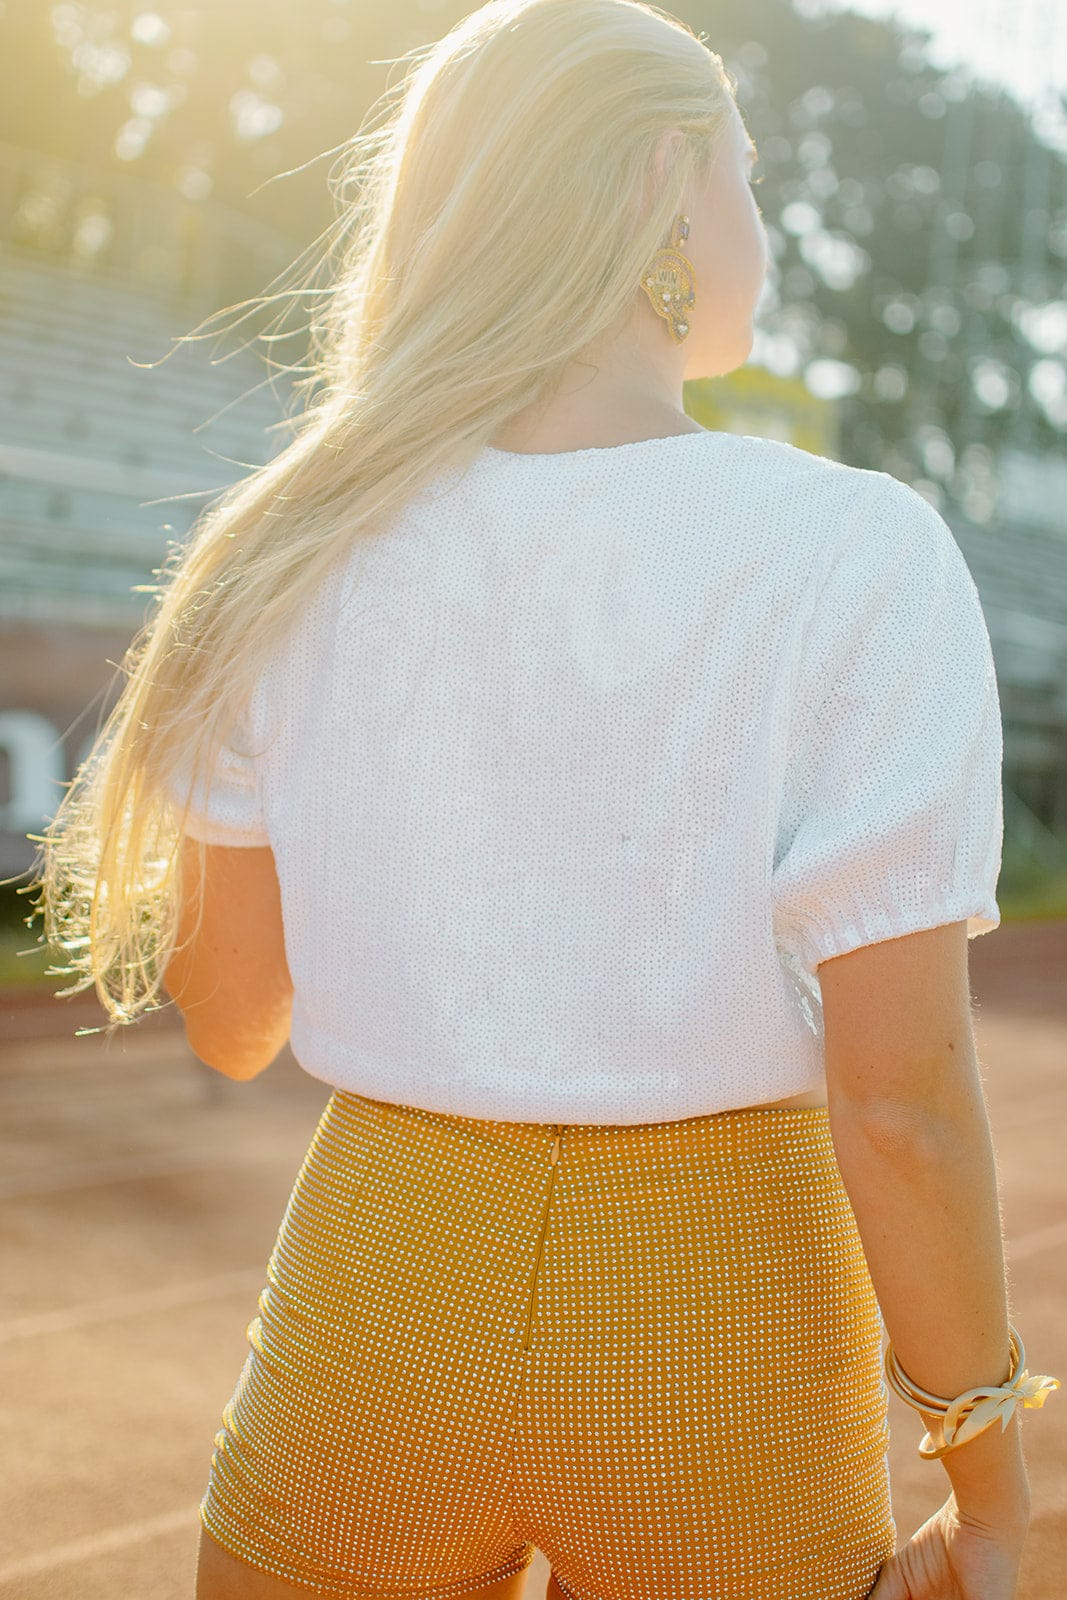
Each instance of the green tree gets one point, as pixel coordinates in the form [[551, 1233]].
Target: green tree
[[919, 225]]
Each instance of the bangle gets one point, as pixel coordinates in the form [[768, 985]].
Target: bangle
[[975, 1409]]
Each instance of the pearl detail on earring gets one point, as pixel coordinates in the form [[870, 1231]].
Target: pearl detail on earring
[[676, 271]]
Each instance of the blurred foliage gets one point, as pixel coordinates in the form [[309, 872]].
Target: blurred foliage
[[18, 970], [918, 223]]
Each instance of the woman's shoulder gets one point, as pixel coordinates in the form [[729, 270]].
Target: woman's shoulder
[[864, 515], [809, 507], [781, 457]]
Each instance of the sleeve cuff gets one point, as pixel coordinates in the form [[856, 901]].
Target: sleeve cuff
[[219, 833], [810, 944]]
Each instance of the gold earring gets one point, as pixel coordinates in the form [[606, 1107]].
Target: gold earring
[[670, 281]]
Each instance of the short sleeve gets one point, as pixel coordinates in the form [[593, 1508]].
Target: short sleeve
[[892, 811], [227, 808]]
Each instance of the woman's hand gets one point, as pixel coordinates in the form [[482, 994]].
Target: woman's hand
[[957, 1556]]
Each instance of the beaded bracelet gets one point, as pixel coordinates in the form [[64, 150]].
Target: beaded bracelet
[[976, 1409]]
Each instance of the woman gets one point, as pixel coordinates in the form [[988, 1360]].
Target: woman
[[608, 835]]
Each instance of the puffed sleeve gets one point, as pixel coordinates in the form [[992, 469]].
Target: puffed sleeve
[[892, 814], [227, 808]]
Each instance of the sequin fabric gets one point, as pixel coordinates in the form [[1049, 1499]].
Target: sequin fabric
[[651, 1351], [577, 769]]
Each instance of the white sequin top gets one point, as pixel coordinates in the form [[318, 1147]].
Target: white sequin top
[[574, 785]]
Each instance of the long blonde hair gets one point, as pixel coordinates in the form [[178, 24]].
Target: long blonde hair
[[490, 230]]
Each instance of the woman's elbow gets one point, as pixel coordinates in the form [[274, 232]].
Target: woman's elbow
[[233, 1058]]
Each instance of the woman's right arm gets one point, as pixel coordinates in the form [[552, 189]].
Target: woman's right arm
[[911, 1134]]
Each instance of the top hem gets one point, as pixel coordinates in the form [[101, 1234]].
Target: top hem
[[312, 1059]]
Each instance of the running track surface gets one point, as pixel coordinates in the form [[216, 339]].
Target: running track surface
[[141, 1196]]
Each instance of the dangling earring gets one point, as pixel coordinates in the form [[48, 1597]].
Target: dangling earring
[[670, 282]]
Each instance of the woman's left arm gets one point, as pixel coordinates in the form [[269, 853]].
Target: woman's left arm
[[232, 981]]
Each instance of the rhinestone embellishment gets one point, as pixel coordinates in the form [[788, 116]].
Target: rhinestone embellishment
[[669, 283]]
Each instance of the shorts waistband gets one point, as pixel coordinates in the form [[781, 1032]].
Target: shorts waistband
[[735, 1130]]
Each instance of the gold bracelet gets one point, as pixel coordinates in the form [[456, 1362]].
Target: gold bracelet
[[976, 1409]]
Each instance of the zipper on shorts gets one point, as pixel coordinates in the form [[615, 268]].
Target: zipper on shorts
[[553, 1158]]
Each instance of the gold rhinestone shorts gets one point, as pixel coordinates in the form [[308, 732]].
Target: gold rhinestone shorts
[[651, 1351]]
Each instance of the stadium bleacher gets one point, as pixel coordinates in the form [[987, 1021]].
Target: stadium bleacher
[[97, 426]]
